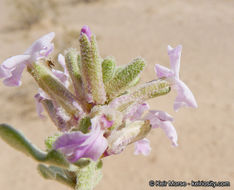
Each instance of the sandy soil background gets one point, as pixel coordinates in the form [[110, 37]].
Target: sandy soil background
[[127, 29]]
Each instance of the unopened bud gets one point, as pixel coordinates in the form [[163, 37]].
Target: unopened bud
[[55, 89], [124, 77], [130, 133], [91, 70]]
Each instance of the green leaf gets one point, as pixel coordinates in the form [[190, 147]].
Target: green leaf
[[17, 140], [99, 164], [84, 125], [83, 162], [56, 158], [57, 174]]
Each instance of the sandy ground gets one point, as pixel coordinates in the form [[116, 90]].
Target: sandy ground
[[127, 29]]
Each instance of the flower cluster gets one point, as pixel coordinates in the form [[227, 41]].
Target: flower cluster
[[98, 107]]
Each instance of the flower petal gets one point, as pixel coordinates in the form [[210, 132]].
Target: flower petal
[[97, 148], [174, 55], [70, 140], [163, 120], [170, 132], [162, 115], [136, 111], [61, 76], [4, 72], [142, 147], [162, 71], [76, 145], [41, 95], [58, 115], [61, 61], [41, 47], [86, 30], [15, 79], [104, 122], [157, 117], [184, 96], [11, 63], [12, 68]]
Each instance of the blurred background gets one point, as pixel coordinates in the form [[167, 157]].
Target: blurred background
[[125, 30]]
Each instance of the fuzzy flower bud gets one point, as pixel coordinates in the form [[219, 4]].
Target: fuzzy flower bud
[[91, 69], [130, 133], [124, 77], [86, 30], [72, 66], [108, 69], [140, 94], [54, 88]]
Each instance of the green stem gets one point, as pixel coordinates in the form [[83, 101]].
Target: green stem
[[17, 140]]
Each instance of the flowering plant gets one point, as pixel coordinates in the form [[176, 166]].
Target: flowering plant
[[98, 107]]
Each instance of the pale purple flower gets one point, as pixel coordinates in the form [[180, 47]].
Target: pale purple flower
[[86, 30], [115, 103], [136, 111], [157, 119], [104, 122], [57, 114], [41, 95], [12, 68], [184, 95], [142, 147], [163, 120], [76, 145], [63, 76], [42, 47]]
